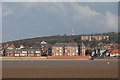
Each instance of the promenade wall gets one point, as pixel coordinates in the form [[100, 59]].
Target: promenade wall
[[68, 57]]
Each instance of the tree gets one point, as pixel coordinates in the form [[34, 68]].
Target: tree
[[93, 43]]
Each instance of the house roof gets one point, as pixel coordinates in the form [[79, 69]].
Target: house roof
[[43, 42], [109, 51], [71, 44], [59, 45], [23, 50], [115, 51]]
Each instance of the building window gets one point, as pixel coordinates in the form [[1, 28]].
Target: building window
[[57, 51], [65, 50], [68, 54], [76, 48], [73, 50], [56, 54], [53, 51], [60, 54], [73, 54], [76, 51], [68, 51], [60, 48], [60, 51]]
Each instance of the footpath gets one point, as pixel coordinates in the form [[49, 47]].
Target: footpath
[[58, 58], [23, 58]]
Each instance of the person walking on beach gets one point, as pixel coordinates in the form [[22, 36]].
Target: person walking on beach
[[4, 52], [93, 56]]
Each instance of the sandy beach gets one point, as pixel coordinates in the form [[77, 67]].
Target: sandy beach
[[52, 68]]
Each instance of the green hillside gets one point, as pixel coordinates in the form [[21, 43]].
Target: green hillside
[[64, 38]]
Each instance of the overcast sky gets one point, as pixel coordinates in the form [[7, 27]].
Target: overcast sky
[[22, 20]]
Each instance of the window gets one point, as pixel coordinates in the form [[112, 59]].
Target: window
[[68, 54], [60, 51], [57, 51], [56, 54], [68, 51], [65, 50], [53, 51], [60, 54], [73, 54], [76, 48], [60, 48], [73, 50], [76, 51]]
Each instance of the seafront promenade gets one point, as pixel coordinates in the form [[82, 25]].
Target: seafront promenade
[[54, 58], [48, 57], [24, 58]]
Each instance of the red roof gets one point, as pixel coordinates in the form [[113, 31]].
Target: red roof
[[114, 51], [109, 51]]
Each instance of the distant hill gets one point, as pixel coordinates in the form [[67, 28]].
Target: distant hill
[[31, 42], [36, 41]]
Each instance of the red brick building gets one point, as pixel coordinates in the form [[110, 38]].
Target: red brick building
[[94, 37], [44, 48], [72, 49], [115, 52], [23, 53], [58, 49], [68, 49]]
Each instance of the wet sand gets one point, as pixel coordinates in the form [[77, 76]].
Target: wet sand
[[60, 69]]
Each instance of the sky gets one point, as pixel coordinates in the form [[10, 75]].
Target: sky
[[21, 20]]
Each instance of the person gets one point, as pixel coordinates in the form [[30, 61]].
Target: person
[[93, 54], [98, 54], [1, 52], [4, 52]]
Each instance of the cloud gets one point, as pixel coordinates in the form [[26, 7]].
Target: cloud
[[84, 14], [93, 19], [75, 12], [56, 18], [111, 20], [81, 13], [56, 8], [48, 7], [6, 11], [60, 0], [30, 5], [0, 7], [0, 22], [84, 11]]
